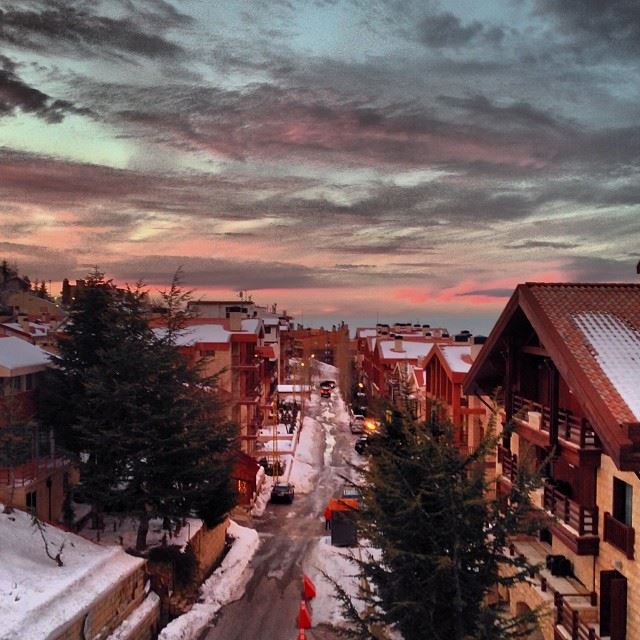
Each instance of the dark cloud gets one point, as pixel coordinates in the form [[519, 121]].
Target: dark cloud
[[214, 272], [74, 29], [490, 293], [609, 26], [446, 30], [601, 269], [542, 244], [17, 95], [40, 262], [516, 113]]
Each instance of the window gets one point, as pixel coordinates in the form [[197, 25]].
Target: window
[[32, 502], [622, 501]]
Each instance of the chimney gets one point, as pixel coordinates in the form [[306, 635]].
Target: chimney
[[398, 344], [235, 321], [476, 346]]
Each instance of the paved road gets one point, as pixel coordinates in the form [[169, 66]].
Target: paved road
[[269, 607]]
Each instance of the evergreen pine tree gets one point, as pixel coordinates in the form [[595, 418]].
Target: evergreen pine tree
[[443, 540], [146, 429]]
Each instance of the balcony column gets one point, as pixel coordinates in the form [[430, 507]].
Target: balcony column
[[510, 382], [554, 404]]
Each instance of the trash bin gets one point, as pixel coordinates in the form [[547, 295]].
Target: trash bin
[[343, 529]]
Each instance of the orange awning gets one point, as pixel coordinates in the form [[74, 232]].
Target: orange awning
[[341, 504]]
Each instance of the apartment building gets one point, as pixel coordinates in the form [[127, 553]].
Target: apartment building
[[33, 476], [566, 361]]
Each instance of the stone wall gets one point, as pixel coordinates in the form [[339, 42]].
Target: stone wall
[[611, 557], [208, 545], [524, 594], [108, 611]]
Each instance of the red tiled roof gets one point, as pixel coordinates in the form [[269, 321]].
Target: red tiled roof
[[565, 304], [592, 334]]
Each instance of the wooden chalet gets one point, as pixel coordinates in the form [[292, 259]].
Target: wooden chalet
[[566, 358]]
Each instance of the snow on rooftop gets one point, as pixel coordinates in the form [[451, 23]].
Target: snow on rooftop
[[200, 333], [458, 357], [251, 324], [34, 329], [16, 354], [411, 350], [37, 596], [616, 348]]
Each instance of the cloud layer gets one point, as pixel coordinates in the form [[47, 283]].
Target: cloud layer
[[335, 153]]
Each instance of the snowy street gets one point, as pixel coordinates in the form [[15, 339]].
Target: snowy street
[[293, 540]]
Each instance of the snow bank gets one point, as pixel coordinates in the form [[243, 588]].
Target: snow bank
[[225, 585], [303, 470], [129, 624], [37, 596], [263, 497]]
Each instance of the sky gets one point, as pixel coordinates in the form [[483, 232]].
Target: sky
[[356, 160]]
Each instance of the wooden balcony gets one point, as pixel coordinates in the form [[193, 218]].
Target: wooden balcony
[[571, 428], [575, 619], [619, 535], [575, 525], [509, 463]]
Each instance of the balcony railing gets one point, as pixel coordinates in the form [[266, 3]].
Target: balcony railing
[[583, 519], [571, 428], [569, 618], [238, 362], [30, 471], [619, 535], [509, 464]]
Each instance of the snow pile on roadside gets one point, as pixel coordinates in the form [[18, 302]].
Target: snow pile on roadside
[[37, 596], [226, 584], [336, 562], [262, 499], [304, 468]]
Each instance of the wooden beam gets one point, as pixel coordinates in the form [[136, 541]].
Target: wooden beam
[[535, 351]]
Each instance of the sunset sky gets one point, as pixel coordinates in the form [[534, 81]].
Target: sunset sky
[[353, 160]]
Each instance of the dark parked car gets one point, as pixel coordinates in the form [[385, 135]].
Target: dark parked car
[[283, 492], [325, 393], [361, 444], [356, 423]]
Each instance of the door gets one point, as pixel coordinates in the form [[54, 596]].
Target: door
[[613, 605]]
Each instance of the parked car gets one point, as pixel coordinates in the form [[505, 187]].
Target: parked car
[[283, 492], [357, 423], [325, 393], [361, 444]]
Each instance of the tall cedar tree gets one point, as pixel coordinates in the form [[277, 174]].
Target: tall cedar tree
[[145, 427], [443, 540]]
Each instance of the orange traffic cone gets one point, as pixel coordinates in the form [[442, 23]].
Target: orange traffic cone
[[304, 617], [308, 588]]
